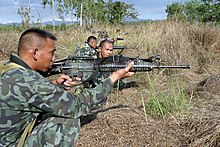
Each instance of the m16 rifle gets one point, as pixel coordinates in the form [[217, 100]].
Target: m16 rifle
[[89, 68]]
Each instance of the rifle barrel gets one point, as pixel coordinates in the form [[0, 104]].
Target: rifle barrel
[[119, 47], [148, 66], [173, 66]]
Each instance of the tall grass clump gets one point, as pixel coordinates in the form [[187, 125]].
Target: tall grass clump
[[205, 45], [159, 103]]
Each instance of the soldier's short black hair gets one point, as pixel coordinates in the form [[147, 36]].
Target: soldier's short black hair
[[105, 41], [90, 38], [37, 32]]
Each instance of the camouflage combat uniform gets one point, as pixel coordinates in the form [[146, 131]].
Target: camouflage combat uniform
[[88, 51], [25, 95], [120, 84], [85, 50]]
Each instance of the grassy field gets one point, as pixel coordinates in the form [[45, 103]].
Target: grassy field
[[168, 107]]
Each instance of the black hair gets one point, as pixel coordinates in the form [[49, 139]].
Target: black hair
[[90, 38], [37, 32], [105, 41]]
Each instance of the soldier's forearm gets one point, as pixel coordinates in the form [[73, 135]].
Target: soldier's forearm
[[91, 97]]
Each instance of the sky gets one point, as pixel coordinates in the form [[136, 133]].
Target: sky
[[147, 9]]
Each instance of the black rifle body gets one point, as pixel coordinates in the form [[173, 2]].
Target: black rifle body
[[87, 68]]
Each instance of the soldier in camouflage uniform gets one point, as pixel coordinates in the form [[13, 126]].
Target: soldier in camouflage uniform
[[88, 49], [105, 50], [37, 111]]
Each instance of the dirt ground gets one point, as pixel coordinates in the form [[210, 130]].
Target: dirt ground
[[122, 122]]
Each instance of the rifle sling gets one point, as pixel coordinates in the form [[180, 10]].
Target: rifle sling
[[25, 133], [10, 66]]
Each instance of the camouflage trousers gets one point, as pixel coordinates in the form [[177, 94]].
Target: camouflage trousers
[[54, 131]]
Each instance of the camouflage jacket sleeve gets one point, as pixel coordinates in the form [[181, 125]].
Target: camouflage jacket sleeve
[[25, 94], [29, 90], [120, 84]]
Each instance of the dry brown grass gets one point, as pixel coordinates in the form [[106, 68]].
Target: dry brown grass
[[8, 43], [121, 121]]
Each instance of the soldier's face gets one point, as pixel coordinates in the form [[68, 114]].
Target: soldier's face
[[46, 56], [106, 50]]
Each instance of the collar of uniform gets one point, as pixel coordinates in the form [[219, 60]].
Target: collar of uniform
[[16, 59]]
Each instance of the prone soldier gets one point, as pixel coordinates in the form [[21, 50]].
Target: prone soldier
[[89, 48], [105, 50]]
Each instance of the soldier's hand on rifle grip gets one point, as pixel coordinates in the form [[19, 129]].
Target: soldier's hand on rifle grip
[[66, 81], [122, 73]]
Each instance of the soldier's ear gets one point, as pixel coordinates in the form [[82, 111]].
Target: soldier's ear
[[99, 49], [35, 53]]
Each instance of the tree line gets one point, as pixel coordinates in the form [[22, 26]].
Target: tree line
[[195, 11], [87, 11], [90, 12]]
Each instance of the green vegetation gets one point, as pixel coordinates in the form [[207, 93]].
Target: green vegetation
[[159, 103], [92, 12], [195, 11]]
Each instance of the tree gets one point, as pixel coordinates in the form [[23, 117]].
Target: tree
[[202, 11], [52, 6], [210, 11], [39, 20], [24, 12], [93, 11], [69, 8], [191, 10], [117, 11], [99, 12], [175, 11]]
